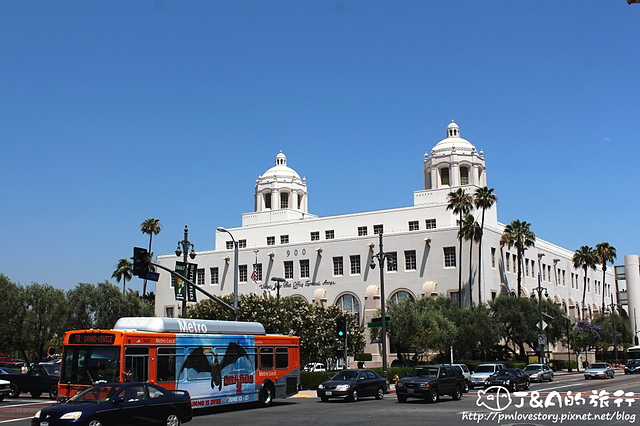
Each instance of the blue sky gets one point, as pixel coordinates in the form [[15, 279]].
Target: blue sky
[[112, 112]]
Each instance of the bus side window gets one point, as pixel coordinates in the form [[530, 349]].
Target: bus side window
[[166, 365], [136, 364], [282, 358], [266, 358]]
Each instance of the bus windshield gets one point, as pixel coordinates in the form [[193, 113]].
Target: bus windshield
[[90, 364]]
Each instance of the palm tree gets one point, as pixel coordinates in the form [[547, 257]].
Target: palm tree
[[460, 203], [124, 272], [519, 234], [585, 257], [483, 199], [471, 232], [606, 253], [151, 227]]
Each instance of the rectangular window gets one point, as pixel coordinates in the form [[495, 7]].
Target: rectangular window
[[464, 175], [304, 268], [200, 276], [284, 200], [526, 264], [267, 201], [455, 296], [242, 243], [242, 273], [282, 358], [493, 257], [354, 259], [165, 366], [549, 272], [229, 245], [329, 235], [337, 266], [449, 257], [271, 241], [284, 239], [168, 312], [409, 260], [430, 223], [362, 231], [266, 358], [564, 276], [544, 272], [377, 229], [392, 261], [215, 277], [414, 225], [315, 235], [288, 269], [444, 176], [515, 263], [507, 259]]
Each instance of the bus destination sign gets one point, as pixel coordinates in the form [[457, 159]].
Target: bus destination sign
[[92, 338]]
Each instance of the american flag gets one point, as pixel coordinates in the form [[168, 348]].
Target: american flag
[[254, 274]]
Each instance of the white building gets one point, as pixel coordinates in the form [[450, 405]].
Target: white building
[[325, 260]]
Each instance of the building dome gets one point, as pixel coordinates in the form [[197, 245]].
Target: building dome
[[280, 171], [453, 142], [280, 188]]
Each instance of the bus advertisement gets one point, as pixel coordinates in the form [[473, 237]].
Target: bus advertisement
[[217, 362]]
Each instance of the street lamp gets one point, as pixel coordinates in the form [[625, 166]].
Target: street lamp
[[278, 282], [614, 307], [235, 272], [541, 340], [186, 244], [382, 256]]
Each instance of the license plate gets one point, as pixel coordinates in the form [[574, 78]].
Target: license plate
[[409, 390], [44, 424], [328, 393]]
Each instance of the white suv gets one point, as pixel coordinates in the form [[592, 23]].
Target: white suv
[[467, 375], [482, 372]]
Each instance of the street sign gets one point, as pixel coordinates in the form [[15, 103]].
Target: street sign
[[542, 339], [153, 276], [542, 326], [377, 322]]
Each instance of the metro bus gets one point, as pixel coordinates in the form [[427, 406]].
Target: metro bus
[[633, 352], [217, 362]]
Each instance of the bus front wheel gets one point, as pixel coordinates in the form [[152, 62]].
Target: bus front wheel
[[266, 394]]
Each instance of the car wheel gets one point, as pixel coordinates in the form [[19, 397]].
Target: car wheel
[[324, 398], [95, 422], [433, 395], [35, 394], [1, 398], [15, 390], [402, 398], [354, 396], [172, 420], [551, 378], [380, 393], [466, 387], [266, 395], [53, 391], [457, 394]]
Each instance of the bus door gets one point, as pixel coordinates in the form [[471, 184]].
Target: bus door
[[136, 364]]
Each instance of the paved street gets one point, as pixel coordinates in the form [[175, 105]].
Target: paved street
[[596, 405]]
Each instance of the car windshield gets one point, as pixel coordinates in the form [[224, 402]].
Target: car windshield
[[503, 373], [484, 369], [633, 362], [102, 393], [346, 375], [532, 368], [52, 369], [598, 365], [424, 372]]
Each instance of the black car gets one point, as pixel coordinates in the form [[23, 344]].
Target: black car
[[119, 404], [512, 379], [17, 381], [353, 384], [41, 378], [429, 382], [632, 367]]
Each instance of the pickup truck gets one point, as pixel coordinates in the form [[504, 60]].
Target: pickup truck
[[41, 378]]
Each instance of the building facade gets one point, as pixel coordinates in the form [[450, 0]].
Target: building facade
[[326, 260]]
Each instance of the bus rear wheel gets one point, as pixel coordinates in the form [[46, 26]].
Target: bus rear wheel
[[266, 394]]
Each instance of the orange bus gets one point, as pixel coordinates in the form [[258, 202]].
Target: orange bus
[[217, 362]]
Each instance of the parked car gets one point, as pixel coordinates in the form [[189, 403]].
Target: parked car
[[539, 372], [39, 379], [466, 374], [483, 371], [119, 404], [314, 366], [5, 361], [5, 390], [599, 369], [512, 379], [429, 382], [632, 367], [353, 384]]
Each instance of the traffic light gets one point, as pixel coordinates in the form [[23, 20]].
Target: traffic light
[[341, 327], [141, 262]]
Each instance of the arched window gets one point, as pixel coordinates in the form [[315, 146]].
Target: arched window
[[267, 200], [349, 303], [284, 200], [464, 175], [444, 176], [401, 295]]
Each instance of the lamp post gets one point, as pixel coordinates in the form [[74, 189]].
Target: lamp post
[[613, 325], [539, 289], [235, 272], [382, 256], [278, 282], [182, 250]]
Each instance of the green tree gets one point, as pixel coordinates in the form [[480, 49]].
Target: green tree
[[610, 324], [460, 203], [519, 234], [43, 327], [605, 253], [584, 337], [585, 257], [82, 301], [12, 312], [123, 272], [483, 199], [150, 227], [471, 232]]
